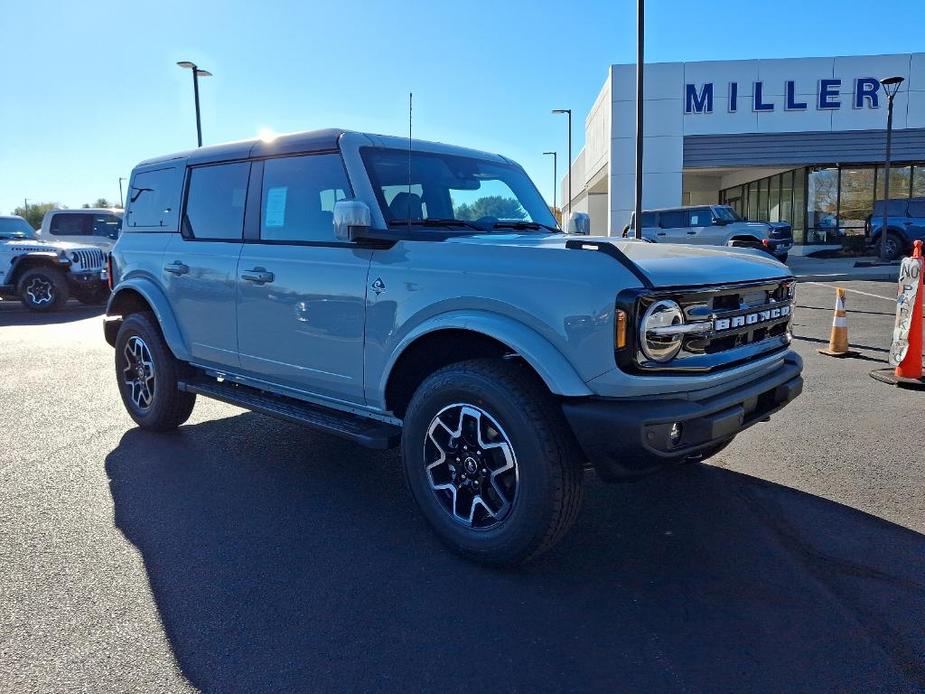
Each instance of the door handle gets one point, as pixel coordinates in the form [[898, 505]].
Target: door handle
[[691, 233], [176, 268], [258, 275], [661, 233]]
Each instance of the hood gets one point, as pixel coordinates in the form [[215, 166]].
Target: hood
[[758, 228], [665, 264], [672, 264]]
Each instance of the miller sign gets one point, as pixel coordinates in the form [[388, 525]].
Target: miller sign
[[699, 98]]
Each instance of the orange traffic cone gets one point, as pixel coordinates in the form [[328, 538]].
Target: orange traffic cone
[[911, 365], [838, 340]]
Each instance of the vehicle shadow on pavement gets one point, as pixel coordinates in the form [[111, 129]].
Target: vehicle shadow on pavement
[[14, 313], [281, 559]]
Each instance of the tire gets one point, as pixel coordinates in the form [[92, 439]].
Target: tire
[[532, 491], [93, 297], [147, 374], [43, 289], [894, 246]]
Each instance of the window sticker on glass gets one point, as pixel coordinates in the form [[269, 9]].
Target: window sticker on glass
[[275, 215]]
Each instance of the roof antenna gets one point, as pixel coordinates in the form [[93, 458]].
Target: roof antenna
[[410, 98]]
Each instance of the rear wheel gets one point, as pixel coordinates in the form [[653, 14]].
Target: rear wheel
[[491, 462], [43, 289], [148, 375], [892, 248]]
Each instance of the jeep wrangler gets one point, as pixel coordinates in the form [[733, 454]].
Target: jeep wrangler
[[420, 295], [43, 275]]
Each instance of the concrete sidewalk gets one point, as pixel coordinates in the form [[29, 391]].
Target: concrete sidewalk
[[830, 269]]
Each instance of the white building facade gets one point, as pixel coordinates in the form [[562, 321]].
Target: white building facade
[[798, 140]]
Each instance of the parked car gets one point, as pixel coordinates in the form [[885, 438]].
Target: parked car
[[44, 275], [715, 225], [432, 303], [905, 224], [98, 227]]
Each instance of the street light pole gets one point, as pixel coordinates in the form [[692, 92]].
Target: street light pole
[[121, 199], [568, 112], [640, 67], [890, 86], [555, 180], [197, 73]]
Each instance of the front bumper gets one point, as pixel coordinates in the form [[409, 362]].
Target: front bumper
[[780, 248], [630, 438], [87, 280]]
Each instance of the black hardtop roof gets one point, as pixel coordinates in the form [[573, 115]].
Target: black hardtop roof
[[309, 141]]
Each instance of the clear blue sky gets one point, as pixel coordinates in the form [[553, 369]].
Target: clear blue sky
[[91, 88]]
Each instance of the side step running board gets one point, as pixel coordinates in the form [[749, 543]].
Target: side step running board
[[367, 432]]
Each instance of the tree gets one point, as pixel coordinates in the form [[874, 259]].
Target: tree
[[34, 213], [100, 202], [496, 206]]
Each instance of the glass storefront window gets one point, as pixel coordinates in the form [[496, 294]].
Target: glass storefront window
[[899, 181], [918, 181], [762, 200], [753, 200], [774, 200], [821, 204], [733, 198], [799, 205], [786, 197], [857, 198], [824, 202]]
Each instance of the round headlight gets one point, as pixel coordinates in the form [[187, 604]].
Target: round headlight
[[658, 344], [75, 258]]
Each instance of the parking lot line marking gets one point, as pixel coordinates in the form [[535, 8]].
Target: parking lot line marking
[[857, 291]]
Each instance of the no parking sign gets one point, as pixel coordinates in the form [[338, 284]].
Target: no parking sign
[[910, 278]]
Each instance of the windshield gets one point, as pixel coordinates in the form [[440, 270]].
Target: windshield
[[451, 190], [726, 214], [16, 228]]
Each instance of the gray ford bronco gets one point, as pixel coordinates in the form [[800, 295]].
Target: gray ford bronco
[[420, 295]]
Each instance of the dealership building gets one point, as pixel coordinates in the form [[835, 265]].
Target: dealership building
[[798, 140]]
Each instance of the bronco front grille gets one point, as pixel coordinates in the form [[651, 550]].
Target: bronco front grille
[[88, 258], [739, 323]]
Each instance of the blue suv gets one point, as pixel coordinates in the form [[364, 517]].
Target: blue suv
[[905, 224], [421, 295]]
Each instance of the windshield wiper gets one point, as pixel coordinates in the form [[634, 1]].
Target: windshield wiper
[[535, 226], [436, 222]]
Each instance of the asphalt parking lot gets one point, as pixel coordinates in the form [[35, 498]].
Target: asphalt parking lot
[[245, 554]]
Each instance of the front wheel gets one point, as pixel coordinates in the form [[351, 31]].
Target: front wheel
[[43, 289], [148, 375], [491, 462]]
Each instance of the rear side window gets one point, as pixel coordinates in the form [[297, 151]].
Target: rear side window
[[298, 197], [649, 219], [153, 199], [215, 202], [71, 224], [673, 219], [106, 225], [702, 217]]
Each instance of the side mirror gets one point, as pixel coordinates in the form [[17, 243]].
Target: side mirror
[[720, 222], [579, 223], [351, 218]]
